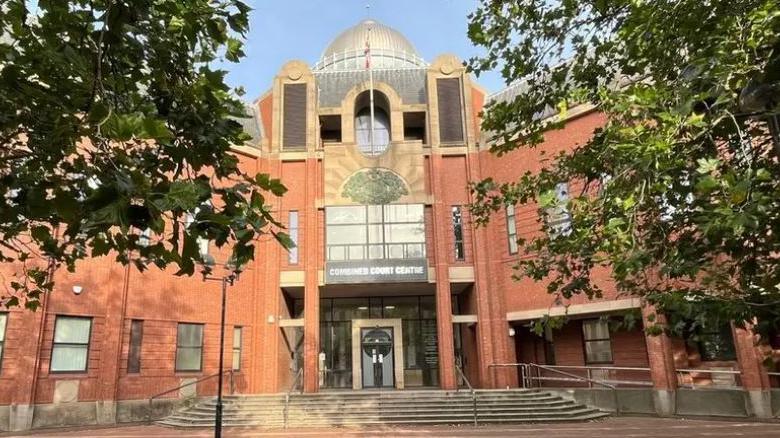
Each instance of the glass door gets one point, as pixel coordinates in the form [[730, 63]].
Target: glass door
[[376, 345]]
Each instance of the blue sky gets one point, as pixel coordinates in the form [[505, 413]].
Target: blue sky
[[285, 30]]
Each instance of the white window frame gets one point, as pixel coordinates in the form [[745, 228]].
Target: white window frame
[[237, 346], [511, 228], [3, 329], [293, 225], [58, 320], [586, 341], [177, 367]]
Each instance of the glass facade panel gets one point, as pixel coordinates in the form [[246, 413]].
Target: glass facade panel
[[345, 215], [401, 307], [420, 337], [346, 234], [404, 213], [375, 232], [404, 233], [347, 309], [428, 306]]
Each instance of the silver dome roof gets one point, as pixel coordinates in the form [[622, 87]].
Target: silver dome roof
[[389, 49]]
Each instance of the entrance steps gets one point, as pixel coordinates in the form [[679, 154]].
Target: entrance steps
[[350, 408]]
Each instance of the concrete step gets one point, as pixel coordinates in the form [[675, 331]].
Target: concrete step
[[465, 410], [539, 398], [275, 425], [386, 408], [340, 407]]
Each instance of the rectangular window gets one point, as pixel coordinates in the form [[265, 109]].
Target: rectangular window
[[203, 244], [549, 346], [511, 229], [3, 325], [237, 348], [70, 349], [716, 342], [144, 239], [558, 218], [292, 225], [189, 347], [134, 351], [457, 230], [598, 347], [375, 232]]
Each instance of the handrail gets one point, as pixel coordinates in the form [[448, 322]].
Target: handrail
[[287, 395], [473, 393], [692, 385], [202, 379], [530, 366], [588, 369]]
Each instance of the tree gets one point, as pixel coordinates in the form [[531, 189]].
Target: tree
[[115, 137], [678, 193]]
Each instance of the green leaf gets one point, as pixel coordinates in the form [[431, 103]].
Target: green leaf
[[234, 50]]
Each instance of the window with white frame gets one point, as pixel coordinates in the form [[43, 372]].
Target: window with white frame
[[511, 228], [237, 335], [598, 345], [457, 230], [292, 229], [189, 347], [3, 325], [203, 244], [70, 349], [558, 217]]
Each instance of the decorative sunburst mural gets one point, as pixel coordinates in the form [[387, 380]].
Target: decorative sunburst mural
[[374, 186]]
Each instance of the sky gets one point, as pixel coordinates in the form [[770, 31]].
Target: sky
[[283, 30]]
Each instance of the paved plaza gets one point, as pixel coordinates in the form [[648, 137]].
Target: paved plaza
[[614, 427]]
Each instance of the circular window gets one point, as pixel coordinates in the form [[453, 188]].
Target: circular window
[[377, 341]]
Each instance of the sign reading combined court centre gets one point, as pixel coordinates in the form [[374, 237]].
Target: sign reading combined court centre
[[376, 271]]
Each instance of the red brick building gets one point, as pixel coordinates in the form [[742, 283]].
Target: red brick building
[[391, 284]]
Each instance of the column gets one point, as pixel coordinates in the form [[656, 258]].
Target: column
[[440, 234], [111, 351], [311, 294], [490, 309], [755, 379], [661, 358]]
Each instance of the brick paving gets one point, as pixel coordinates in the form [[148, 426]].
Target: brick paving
[[614, 427]]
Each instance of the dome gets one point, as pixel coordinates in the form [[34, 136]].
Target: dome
[[389, 49]]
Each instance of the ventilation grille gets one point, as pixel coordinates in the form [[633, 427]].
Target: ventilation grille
[[450, 110], [294, 116]]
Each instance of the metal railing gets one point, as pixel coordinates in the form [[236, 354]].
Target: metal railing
[[681, 381], [355, 59], [286, 412], [590, 370], [527, 377], [471, 389], [195, 382]]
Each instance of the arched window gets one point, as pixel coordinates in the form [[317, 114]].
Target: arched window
[[381, 131], [381, 123]]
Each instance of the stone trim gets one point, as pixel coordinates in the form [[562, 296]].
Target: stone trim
[[575, 309]]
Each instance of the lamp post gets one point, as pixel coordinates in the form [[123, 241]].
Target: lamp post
[[208, 264]]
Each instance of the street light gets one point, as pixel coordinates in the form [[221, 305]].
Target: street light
[[208, 264]]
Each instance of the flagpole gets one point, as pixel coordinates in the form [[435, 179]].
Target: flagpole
[[370, 88]]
